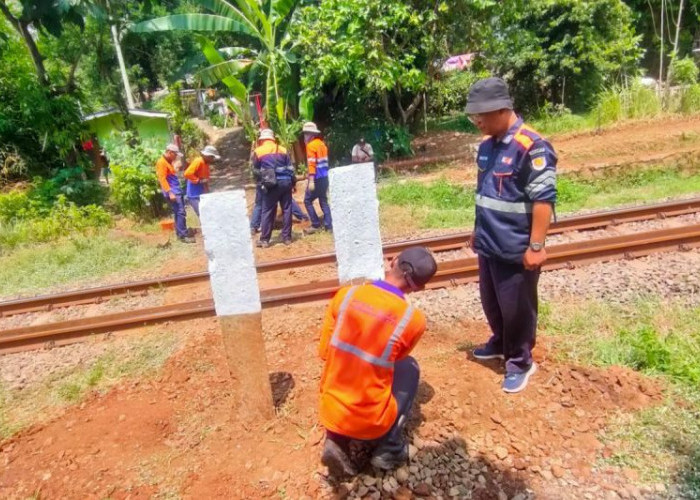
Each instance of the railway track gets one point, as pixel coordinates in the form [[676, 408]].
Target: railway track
[[437, 244], [449, 273]]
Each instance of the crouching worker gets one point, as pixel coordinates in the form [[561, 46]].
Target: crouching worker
[[369, 381]]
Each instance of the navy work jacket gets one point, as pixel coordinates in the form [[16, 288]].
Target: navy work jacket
[[514, 172]]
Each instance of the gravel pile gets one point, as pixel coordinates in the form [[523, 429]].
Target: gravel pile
[[441, 469]]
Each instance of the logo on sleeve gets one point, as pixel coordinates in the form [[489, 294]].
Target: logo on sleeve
[[538, 151], [539, 163], [507, 160]]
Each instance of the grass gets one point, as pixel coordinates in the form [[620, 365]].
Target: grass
[[76, 259], [658, 338], [139, 358], [442, 204]]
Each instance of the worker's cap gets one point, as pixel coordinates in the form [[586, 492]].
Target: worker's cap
[[266, 133], [418, 266], [173, 148], [489, 94], [211, 151], [310, 128]]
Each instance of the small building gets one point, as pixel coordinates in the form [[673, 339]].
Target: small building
[[148, 124]]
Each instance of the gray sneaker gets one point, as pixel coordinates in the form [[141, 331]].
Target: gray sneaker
[[516, 382]]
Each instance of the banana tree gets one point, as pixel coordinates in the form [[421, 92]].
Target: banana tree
[[263, 26]]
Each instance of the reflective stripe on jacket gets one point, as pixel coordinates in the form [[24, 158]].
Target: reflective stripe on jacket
[[514, 172], [196, 172], [367, 328], [317, 158], [167, 177], [270, 155]]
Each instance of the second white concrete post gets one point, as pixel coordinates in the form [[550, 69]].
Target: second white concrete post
[[355, 211]]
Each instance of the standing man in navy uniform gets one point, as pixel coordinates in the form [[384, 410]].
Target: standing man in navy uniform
[[515, 197]]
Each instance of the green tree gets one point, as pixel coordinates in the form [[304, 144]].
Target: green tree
[[38, 127], [383, 50], [48, 16], [561, 51]]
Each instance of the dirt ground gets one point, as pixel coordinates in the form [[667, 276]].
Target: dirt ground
[[176, 436], [645, 142]]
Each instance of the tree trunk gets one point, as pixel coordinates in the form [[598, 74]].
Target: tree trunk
[[385, 107], [23, 29], [674, 54]]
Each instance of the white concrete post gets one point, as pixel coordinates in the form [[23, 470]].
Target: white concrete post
[[234, 284], [355, 212]]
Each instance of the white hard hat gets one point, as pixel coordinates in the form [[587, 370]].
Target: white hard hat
[[172, 147], [311, 128], [266, 133], [211, 151]]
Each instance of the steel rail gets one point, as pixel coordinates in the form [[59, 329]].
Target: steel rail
[[449, 273], [437, 244]]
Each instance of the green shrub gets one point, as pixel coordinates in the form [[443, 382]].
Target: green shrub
[[63, 219], [71, 183], [128, 149], [552, 119], [624, 102], [684, 71], [690, 99], [135, 191]]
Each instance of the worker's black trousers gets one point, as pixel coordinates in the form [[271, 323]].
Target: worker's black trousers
[[282, 194], [509, 298]]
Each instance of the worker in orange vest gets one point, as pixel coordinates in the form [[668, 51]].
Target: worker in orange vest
[[170, 186], [369, 381], [317, 185], [198, 173]]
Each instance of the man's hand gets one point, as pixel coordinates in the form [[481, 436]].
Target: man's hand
[[312, 184], [533, 260], [171, 195], [470, 241]]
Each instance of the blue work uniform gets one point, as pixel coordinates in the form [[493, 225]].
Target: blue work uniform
[[514, 172], [270, 156]]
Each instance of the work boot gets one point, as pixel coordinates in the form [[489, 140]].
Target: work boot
[[388, 460], [263, 244], [187, 239], [337, 460], [312, 230], [287, 242]]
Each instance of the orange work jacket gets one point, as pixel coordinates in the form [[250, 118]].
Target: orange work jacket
[[367, 328]]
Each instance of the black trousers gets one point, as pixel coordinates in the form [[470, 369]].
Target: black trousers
[[282, 194], [509, 298]]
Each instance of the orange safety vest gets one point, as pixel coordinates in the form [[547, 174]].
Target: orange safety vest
[[366, 330]]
